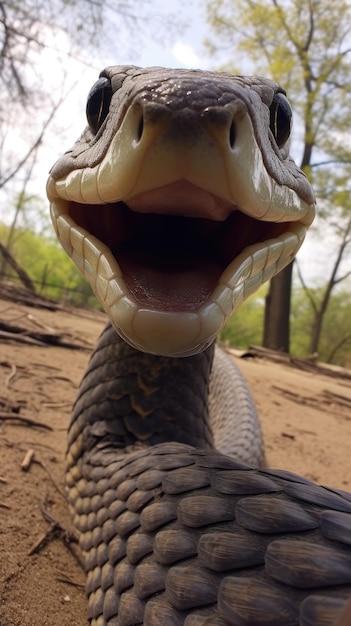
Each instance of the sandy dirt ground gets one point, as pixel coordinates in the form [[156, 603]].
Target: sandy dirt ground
[[306, 420]]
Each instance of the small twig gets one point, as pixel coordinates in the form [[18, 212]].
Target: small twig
[[57, 405], [291, 395], [26, 463], [24, 335], [39, 324], [28, 421], [337, 397], [315, 403], [64, 579], [46, 366], [288, 436], [5, 506], [43, 540], [58, 489], [65, 379], [69, 538], [47, 516], [20, 338], [11, 376], [14, 317], [55, 531]]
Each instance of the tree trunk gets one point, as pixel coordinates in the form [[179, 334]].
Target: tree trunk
[[22, 274], [276, 334]]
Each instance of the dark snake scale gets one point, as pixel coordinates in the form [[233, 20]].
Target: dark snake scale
[[173, 531]]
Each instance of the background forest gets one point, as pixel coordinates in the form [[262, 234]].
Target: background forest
[[51, 53]]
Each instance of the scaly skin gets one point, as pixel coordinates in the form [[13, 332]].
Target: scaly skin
[[177, 202]]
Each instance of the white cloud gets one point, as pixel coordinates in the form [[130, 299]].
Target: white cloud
[[185, 54]]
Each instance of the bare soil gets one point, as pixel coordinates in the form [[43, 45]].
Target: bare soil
[[306, 420]]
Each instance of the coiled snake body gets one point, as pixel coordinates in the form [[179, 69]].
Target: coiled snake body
[[177, 202]]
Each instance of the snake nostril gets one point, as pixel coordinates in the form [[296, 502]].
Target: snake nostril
[[232, 134], [140, 128]]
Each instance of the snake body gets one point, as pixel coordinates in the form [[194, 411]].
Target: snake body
[[177, 202]]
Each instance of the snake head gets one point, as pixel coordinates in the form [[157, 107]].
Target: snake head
[[179, 200]]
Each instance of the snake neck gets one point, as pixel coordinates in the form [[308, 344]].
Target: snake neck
[[129, 398]]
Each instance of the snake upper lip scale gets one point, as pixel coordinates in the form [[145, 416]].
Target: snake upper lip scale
[[158, 211]]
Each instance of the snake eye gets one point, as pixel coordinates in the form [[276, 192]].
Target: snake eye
[[98, 103], [280, 119]]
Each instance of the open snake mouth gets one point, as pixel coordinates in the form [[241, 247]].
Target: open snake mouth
[[170, 265], [171, 262]]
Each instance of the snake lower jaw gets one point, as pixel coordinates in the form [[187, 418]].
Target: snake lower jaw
[[218, 263]]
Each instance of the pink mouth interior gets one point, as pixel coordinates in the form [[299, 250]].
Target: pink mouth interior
[[171, 262], [183, 284]]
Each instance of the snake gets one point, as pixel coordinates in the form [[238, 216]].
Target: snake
[[178, 201]]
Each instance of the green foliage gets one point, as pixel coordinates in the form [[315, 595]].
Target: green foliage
[[301, 320], [335, 344], [304, 46], [52, 271], [245, 327]]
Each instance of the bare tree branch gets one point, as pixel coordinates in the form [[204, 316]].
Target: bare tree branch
[[33, 148], [306, 289], [337, 347]]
